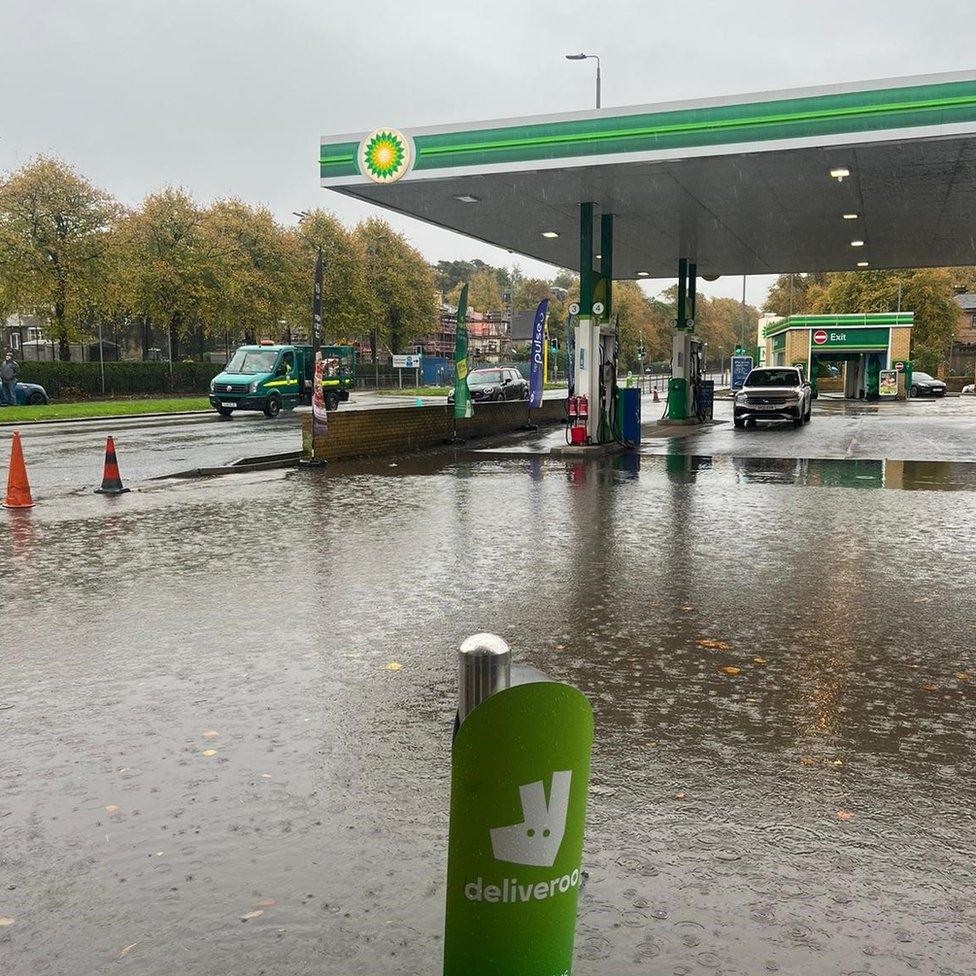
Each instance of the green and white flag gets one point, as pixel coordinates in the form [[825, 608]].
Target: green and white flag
[[462, 398]]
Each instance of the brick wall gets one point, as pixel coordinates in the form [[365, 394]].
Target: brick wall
[[900, 344], [797, 346], [360, 433]]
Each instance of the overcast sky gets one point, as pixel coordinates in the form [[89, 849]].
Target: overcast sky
[[230, 97]]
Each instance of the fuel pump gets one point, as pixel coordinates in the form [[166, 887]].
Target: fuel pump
[[684, 389], [596, 370]]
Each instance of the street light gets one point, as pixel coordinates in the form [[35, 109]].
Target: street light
[[583, 57]]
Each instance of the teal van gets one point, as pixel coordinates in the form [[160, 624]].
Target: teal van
[[273, 378]]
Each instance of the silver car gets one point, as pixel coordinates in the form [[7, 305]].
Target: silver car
[[773, 393]]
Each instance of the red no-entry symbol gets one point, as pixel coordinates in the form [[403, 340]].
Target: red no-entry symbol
[[820, 337]]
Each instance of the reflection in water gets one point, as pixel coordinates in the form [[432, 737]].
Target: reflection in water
[[760, 662], [826, 472]]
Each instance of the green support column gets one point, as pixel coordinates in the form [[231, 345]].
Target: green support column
[[692, 290], [586, 259], [678, 385], [682, 318], [606, 261]]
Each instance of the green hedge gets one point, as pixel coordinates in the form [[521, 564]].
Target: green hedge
[[121, 379]]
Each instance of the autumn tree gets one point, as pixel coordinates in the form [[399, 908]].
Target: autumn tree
[[349, 309], [927, 292], [794, 297], [401, 284], [249, 270], [167, 271], [53, 234]]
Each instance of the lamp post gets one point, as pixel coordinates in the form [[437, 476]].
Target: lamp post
[[584, 57]]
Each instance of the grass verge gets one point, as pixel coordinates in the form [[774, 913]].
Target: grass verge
[[101, 408]]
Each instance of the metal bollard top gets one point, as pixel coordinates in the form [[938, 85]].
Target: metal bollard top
[[484, 668]]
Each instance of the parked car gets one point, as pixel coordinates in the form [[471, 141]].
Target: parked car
[[925, 385], [773, 393], [497, 383], [31, 395], [969, 388]]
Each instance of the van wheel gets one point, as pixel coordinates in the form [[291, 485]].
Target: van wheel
[[331, 401], [225, 411], [272, 406]]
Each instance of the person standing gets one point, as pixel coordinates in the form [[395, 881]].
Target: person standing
[[9, 371]]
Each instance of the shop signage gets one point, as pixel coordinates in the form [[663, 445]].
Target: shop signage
[[851, 338]]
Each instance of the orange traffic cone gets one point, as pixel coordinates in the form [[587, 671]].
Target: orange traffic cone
[[111, 479], [18, 487]]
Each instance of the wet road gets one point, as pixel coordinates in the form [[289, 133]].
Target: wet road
[[198, 722], [68, 457]]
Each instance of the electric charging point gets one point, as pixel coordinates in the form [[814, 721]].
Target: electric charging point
[[519, 781]]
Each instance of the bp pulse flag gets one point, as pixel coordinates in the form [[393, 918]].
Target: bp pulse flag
[[536, 365], [462, 398]]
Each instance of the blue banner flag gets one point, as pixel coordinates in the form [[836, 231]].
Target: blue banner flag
[[536, 355]]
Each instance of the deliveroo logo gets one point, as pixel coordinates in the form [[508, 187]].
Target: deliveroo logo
[[536, 840]]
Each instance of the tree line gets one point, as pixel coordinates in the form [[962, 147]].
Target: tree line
[[73, 255], [928, 292]]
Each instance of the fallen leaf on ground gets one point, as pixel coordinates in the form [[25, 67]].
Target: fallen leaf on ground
[[928, 686], [128, 949], [714, 644], [964, 676], [111, 808], [210, 734], [838, 762], [560, 647], [808, 761], [4, 921], [160, 853], [679, 796], [267, 903], [394, 666], [731, 670], [255, 914], [210, 752], [844, 814], [266, 776], [687, 607], [758, 660], [598, 790]]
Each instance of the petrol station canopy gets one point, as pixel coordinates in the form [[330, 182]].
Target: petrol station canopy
[[737, 185]]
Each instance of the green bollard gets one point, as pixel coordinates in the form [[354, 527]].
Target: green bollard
[[677, 399], [519, 782]]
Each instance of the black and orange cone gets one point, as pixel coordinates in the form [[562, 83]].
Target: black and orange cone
[[111, 479], [18, 487]]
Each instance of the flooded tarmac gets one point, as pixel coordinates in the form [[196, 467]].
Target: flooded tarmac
[[209, 766]]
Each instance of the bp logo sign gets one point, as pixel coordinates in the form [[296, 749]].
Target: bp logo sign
[[385, 155], [820, 337]]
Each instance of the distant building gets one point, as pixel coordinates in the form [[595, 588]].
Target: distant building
[[962, 357], [487, 334]]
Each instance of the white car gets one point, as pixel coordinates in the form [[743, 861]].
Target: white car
[[773, 393], [969, 388]]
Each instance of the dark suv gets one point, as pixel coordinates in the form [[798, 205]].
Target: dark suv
[[496, 383]]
